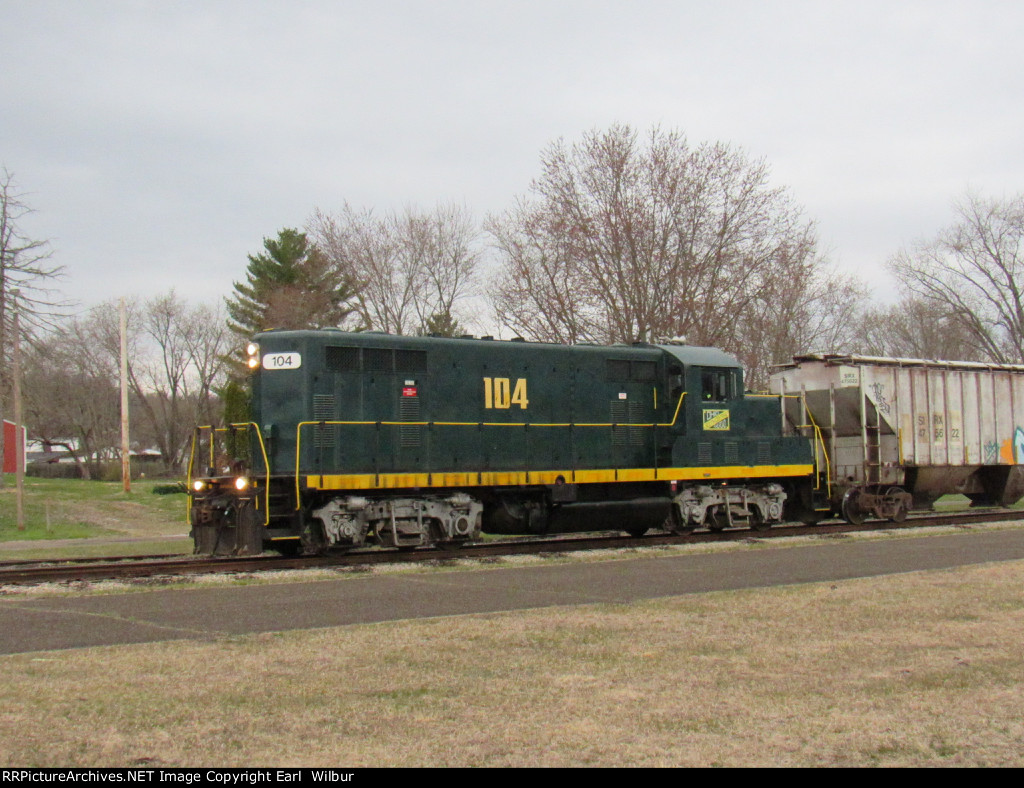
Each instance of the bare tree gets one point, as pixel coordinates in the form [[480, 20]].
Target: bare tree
[[176, 358], [412, 269], [71, 395], [629, 240], [973, 273], [184, 357], [813, 307], [543, 291], [24, 268], [916, 328]]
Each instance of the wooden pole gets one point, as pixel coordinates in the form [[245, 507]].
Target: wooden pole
[[19, 445], [126, 465]]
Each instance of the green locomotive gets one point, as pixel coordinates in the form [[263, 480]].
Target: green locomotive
[[367, 438]]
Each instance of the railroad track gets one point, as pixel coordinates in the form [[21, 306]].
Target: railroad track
[[25, 572]]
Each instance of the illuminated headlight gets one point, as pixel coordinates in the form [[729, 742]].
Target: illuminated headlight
[[252, 350], [198, 485], [241, 484]]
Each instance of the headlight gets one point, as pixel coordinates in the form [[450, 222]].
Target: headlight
[[198, 485], [241, 484], [252, 350]]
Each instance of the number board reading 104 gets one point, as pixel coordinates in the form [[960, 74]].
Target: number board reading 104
[[282, 361], [502, 393]]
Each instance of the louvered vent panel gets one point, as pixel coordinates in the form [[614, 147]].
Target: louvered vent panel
[[409, 410], [636, 416], [620, 433], [323, 410]]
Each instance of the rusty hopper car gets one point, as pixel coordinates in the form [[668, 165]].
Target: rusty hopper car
[[897, 434]]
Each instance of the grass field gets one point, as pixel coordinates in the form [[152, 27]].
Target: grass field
[[57, 509], [920, 669]]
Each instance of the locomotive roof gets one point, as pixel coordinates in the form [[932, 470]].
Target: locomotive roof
[[687, 354], [700, 356]]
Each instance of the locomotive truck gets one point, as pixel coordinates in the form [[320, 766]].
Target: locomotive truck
[[365, 438]]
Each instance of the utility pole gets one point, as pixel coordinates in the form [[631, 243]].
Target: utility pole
[[19, 445], [126, 464]]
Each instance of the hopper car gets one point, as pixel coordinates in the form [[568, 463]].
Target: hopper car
[[896, 434]]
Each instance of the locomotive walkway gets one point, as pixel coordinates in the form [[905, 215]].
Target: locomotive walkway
[[38, 624]]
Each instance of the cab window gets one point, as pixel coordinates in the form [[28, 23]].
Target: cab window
[[716, 385]]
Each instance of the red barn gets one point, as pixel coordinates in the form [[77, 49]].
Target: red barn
[[12, 438]]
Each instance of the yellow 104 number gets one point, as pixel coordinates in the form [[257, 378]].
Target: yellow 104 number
[[500, 393]]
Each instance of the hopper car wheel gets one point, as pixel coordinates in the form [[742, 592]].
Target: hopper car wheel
[[852, 512], [637, 532], [899, 514]]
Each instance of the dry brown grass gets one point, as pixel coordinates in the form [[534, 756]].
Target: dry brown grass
[[911, 670]]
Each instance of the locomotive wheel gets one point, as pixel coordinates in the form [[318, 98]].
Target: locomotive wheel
[[313, 540], [757, 521], [636, 533], [674, 522], [852, 512], [712, 522]]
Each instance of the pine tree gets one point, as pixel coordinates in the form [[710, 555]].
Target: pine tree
[[289, 285], [441, 324]]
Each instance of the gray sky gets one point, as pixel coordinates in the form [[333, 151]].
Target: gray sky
[[159, 142]]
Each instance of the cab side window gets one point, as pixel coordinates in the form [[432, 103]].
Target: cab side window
[[716, 385]]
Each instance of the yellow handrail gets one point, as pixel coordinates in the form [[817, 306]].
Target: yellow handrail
[[263, 452]]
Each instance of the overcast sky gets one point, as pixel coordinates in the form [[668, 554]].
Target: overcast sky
[[160, 142]]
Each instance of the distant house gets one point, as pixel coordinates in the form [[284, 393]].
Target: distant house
[[12, 437], [64, 452]]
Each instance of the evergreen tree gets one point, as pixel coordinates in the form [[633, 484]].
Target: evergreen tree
[[290, 285], [441, 324], [234, 397]]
